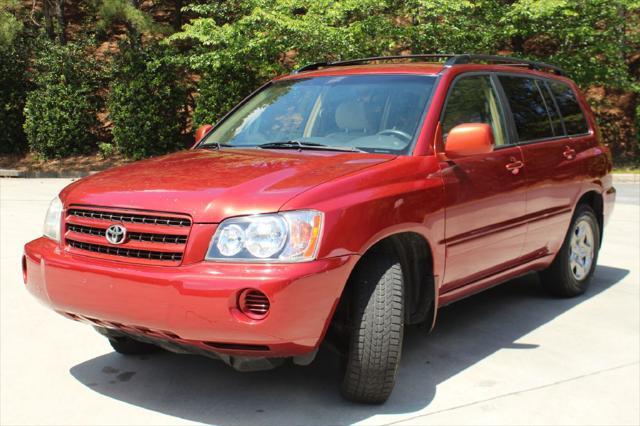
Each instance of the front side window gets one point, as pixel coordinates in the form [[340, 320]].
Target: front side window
[[473, 100], [574, 120], [528, 108], [374, 113]]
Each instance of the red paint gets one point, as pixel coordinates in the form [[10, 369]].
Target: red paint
[[202, 132], [469, 139], [486, 218]]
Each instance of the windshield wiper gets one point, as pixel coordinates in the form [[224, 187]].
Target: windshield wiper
[[215, 145], [307, 145]]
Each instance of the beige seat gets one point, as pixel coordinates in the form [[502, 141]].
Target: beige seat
[[352, 121]]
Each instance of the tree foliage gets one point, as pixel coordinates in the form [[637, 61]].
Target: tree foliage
[[230, 47], [13, 92], [60, 111], [593, 39], [126, 12], [146, 98], [10, 25]]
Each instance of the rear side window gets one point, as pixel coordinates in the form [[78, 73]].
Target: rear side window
[[574, 119], [528, 108], [556, 120]]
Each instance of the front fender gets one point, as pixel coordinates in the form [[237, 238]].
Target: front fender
[[362, 208]]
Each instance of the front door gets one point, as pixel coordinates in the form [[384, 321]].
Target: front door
[[485, 194]]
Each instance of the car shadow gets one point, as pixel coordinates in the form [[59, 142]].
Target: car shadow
[[203, 390]]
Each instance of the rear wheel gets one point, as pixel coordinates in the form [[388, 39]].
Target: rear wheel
[[128, 346], [571, 271], [377, 327]]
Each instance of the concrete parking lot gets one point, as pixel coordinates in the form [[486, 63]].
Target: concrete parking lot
[[511, 355]]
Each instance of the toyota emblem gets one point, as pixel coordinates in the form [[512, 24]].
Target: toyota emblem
[[116, 234]]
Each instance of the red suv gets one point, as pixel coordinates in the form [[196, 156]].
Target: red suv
[[336, 204]]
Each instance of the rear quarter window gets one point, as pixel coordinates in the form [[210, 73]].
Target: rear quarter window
[[573, 116], [529, 111]]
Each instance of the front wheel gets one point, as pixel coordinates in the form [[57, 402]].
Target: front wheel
[[377, 324], [571, 271]]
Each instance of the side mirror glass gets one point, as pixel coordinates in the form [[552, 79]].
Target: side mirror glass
[[202, 131], [469, 139]]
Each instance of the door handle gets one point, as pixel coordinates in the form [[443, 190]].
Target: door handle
[[515, 166], [569, 153]]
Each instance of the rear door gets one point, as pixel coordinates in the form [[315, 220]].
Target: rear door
[[485, 194], [552, 157]]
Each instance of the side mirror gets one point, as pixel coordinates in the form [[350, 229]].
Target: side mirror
[[469, 139], [202, 131]]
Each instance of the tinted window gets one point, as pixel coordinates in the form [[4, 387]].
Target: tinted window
[[528, 108], [574, 119], [474, 100], [554, 116]]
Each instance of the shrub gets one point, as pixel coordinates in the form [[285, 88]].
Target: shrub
[[60, 113], [221, 90], [145, 102], [13, 91]]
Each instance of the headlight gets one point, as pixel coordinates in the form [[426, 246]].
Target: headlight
[[283, 237], [52, 221]]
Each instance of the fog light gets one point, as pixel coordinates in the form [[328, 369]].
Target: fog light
[[254, 304]]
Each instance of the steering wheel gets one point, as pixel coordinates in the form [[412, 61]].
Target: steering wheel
[[396, 132]]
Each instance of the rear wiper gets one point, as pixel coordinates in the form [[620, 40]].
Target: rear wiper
[[307, 145]]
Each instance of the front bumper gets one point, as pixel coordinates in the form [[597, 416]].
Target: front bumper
[[192, 304]]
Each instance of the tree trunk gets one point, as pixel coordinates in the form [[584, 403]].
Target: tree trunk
[[134, 36], [177, 17], [62, 22], [47, 9]]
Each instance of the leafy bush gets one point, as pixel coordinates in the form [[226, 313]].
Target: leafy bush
[[13, 91], [60, 111], [221, 90], [145, 102]]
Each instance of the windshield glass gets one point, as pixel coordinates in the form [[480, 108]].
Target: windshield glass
[[373, 113]]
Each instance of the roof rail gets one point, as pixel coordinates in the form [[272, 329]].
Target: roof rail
[[504, 60], [451, 60]]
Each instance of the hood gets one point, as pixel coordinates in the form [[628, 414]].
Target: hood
[[213, 185]]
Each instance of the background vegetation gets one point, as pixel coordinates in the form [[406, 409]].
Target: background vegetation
[[133, 77]]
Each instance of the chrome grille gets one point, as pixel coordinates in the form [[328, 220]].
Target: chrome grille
[[151, 238], [137, 236], [117, 251], [129, 217]]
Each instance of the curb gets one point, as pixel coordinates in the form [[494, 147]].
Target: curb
[[39, 174], [626, 178]]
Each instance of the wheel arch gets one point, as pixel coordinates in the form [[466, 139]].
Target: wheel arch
[[417, 262], [595, 200]]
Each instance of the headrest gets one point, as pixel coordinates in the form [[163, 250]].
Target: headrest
[[350, 115]]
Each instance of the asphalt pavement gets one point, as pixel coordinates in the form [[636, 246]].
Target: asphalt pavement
[[511, 355]]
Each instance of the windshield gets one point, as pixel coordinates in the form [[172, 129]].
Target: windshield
[[373, 113]]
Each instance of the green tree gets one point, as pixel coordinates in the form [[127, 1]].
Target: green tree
[[146, 100], [61, 110], [10, 25], [591, 39], [13, 82]]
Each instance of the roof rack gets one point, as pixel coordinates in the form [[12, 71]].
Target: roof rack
[[451, 60]]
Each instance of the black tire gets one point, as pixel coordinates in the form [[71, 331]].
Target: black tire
[[128, 346], [559, 278], [377, 321]]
